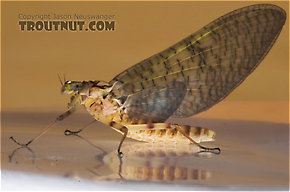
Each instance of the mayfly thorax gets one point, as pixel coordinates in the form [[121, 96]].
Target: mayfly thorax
[[185, 79]]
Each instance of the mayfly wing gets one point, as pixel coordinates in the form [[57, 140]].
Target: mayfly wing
[[210, 63], [155, 104]]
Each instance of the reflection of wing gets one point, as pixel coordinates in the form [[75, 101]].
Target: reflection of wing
[[155, 104], [211, 62]]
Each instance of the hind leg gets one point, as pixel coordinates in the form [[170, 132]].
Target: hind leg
[[185, 131], [200, 134]]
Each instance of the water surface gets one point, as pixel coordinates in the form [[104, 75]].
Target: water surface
[[254, 155]]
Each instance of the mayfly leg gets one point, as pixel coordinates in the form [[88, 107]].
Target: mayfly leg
[[184, 130], [59, 118], [118, 127], [181, 129], [125, 131], [69, 132]]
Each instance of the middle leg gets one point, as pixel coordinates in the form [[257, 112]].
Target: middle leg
[[69, 132]]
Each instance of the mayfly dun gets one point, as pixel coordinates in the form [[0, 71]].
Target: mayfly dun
[[185, 79]]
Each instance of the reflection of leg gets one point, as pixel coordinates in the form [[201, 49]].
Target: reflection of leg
[[125, 131], [182, 130], [93, 172], [92, 144], [120, 166], [23, 147], [69, 132]]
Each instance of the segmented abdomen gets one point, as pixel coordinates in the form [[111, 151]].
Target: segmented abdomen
[[172, 135]]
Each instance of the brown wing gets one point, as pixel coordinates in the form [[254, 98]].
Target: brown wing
[[155, 104], [211, 62]]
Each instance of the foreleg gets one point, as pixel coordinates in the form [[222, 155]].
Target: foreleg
[[75, 100], [59, 118]]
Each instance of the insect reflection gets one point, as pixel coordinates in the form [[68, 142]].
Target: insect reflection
[[142, 162]]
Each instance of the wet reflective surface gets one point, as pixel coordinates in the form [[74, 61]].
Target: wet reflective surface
[[255, 155]]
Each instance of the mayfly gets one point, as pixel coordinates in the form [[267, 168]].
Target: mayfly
[[185, 79]]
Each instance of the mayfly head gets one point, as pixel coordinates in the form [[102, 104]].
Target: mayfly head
[[72, 87], [83, 87]]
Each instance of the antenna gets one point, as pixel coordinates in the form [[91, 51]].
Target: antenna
[[62, 83]]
